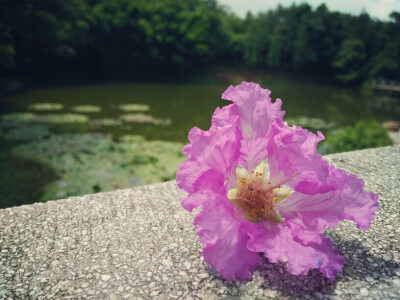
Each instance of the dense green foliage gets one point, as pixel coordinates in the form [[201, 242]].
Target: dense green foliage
[[345, 47], [360, 136], [172, 37], [108, 36]]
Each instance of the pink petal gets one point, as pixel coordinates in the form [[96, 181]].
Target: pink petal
[[217, 149], [252, 152], [256, 113], [278, 244], [309, 222], [293, 151], [224, 239], [210, 181], [358, 204], [308, 215]]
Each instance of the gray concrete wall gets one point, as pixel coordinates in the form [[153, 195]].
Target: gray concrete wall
[[140, 243]]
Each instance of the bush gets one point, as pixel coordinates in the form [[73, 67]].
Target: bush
[[360, 136]]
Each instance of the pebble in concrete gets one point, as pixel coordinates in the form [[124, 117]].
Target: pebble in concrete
[[140, 244]]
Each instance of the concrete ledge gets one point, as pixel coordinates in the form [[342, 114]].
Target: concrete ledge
[[139, 243]]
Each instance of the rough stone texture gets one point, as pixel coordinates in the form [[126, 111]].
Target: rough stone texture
[[139, 243]]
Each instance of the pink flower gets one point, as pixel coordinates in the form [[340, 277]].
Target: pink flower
[[280, 210]]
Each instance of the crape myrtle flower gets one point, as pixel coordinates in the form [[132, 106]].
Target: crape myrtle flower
[[263, 188]]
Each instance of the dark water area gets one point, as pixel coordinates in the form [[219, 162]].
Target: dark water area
[[57, 142]]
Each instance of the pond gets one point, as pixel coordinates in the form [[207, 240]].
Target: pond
[[66, 141]]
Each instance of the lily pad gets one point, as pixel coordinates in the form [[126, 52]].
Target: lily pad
[[46, 106], [62, 118], [87, 108], [134, 107], [105, 122], [137, 118], [16, 118], [143, 118]]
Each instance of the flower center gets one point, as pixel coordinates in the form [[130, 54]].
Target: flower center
[[257, 196]]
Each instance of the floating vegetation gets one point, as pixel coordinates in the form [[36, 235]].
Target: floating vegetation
[[62, 118], [315, 123], [137, 118], [13, 118], [87, 108], [26, 133], [131, 138], [46, 106], [143, 118], [105, 122], [16, 118], [87, 163], [134, 107], [162, 122]]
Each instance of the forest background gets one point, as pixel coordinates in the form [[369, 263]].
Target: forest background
[[95, 38]]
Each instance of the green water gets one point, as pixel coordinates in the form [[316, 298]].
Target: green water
[[188, 105], [185, 105], [87, 142]]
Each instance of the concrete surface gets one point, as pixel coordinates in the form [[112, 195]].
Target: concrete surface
[[139, 243]]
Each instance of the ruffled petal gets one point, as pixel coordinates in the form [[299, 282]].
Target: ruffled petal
[[358, 204], [224, 239], [279, 245], [253, 151], [256, 113], [309, 215], [216, 149], [211, 181], [293, 151], [309, 224]]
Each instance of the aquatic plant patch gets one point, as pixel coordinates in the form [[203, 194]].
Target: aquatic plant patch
[[62, 118], [17, 118], [105, 122], [134, 107], [86, 108], [131, 138], [12, 119], [144, 118], [87, 163], [26, 133], [137, 118], [46, 106]]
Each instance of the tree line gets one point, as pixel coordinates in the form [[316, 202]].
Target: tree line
[[173, 37]]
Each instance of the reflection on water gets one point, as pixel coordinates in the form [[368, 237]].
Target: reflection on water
[[94, 138]]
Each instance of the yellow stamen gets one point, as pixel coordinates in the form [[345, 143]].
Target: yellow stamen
[[255, 194]]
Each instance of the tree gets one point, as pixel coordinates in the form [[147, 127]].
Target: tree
[[349, 62]]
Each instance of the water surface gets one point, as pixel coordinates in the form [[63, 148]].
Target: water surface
[[88, 140]]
